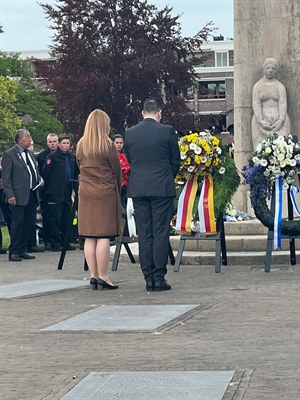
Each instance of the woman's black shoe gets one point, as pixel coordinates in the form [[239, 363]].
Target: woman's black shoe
[[93, 283], [104, 285]]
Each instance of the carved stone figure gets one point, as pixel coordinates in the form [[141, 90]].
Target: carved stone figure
[[269, 105]]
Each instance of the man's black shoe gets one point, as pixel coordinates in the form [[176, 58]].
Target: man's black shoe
[[26, 256], [47, 246], [149, 285], [159, 286], [35, 249], [14, 257], [70, 247], [56, 249], [2, 251]]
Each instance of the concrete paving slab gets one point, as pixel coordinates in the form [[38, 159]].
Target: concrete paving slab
[[179, 385], [37, 287], [123, 318]]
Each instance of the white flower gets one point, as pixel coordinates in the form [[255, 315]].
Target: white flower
[[268, 150], [285, 186], [183, 155], [193, 146], [219, 151], [255, 160], [267, 173], [221, 170], [280, 157], [293, 163], [264, 163], [258, 148], [283, 164], [204, 159], [191, 168], [198, 150]]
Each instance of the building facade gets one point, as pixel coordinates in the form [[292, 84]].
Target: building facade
[[213, 94]]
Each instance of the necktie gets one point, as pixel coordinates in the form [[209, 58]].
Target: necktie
[[32, 171]]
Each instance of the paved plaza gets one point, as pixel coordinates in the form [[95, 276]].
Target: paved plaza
[[231, 336]]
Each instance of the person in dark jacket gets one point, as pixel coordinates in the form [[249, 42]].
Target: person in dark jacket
[[5, 208], [21, 178], [52, 143], [58, 172], [153, 154]]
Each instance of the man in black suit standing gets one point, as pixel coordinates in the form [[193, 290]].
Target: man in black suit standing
[[153, 154], [52, 143], [20, 178]]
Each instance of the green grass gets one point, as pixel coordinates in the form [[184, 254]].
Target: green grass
[[5, 238]]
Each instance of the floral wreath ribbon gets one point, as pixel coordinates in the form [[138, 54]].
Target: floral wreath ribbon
[[205, 206], [278, 209]]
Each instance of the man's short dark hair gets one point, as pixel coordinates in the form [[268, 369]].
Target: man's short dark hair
[[117, 136], [152, 106], [19, 134], [62, 137]]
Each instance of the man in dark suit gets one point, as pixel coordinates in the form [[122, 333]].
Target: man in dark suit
[[20, 178], [153, 154], [52, 143], [59, 171]]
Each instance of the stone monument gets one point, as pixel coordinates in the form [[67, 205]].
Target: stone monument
[[269, 105], [264, 29]]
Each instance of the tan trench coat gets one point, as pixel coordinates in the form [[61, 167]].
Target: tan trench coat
[[99, 211]]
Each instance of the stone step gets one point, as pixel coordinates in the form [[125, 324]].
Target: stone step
[[251, 227]]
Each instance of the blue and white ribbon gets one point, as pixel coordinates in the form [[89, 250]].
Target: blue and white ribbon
[[278, 213], [294, 190]]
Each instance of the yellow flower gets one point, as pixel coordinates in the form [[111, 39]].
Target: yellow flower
[[215, 141], [208, 162], [198, 159]]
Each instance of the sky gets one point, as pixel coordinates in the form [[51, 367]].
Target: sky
[[26, 28]]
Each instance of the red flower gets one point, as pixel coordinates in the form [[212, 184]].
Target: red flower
[[125, 170]]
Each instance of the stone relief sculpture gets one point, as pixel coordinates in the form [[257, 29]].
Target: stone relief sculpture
[[269, 104]]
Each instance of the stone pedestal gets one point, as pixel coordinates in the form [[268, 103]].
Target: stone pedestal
[[262, 29]]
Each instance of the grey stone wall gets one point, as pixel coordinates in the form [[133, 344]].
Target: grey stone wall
[[264, 28]]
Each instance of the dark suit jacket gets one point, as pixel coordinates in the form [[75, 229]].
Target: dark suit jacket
[[53, 173], [15, 175], [153, 154]]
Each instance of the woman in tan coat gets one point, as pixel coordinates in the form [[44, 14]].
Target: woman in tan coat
[[99, 214]]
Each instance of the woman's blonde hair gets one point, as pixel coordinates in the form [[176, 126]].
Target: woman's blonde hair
[[95, 138]]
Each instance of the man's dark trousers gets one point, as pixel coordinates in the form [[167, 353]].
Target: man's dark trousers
[[152, 212], [22, 219], [59, 212]]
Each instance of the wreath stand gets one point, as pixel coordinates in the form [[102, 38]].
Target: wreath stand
[[125, 239], [220, 249], [271, 235]]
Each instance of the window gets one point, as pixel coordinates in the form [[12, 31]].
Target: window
[[221, 59], [212, 90]]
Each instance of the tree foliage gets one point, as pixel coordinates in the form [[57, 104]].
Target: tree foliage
[[9, 121], [113, 54], [22, 104]]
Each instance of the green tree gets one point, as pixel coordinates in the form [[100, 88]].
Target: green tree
[[36, 108], [9, 121], [32, 106]]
